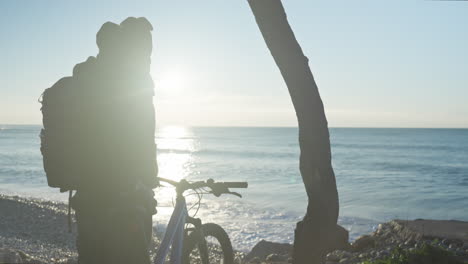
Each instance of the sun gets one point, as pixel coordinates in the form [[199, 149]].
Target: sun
[[171, 82]]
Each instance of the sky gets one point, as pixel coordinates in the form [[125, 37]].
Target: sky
[[400, 63]]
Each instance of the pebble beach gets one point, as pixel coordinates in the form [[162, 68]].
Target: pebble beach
[[36, 231]]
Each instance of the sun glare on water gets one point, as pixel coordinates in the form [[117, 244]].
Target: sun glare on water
[[175, 144], [175, 160], [175, 147], [173, 132]]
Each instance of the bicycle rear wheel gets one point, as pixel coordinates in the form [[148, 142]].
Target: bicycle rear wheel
[[216, 250]]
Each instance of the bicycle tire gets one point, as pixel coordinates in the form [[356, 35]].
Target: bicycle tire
[[191, 243]]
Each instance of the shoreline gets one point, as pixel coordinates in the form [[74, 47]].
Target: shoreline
[[36, 230]]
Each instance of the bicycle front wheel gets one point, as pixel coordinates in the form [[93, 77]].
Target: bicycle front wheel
[[216, 250]]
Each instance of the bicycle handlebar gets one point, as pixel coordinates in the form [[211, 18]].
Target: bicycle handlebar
[[171, 182], [235, 184], [217, 188]]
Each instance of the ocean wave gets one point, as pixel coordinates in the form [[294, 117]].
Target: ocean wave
[[252, 224], [244, 154], [381, 174], [402, 146]]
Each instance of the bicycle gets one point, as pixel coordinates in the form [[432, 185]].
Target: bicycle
[[184, 239]]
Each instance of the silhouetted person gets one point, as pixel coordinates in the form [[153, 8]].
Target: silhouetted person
[[98, 139], [318, 232]]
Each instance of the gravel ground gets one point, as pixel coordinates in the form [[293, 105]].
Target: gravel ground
[[36, 231], [407, 235], [38, 228]]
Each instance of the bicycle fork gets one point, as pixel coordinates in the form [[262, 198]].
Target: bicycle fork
[[200, 237]]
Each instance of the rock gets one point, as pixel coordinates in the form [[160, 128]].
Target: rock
[[409, 242], [363, 242], [340, 239], [457, 242], [346, 254], [332, 257], [445, 242], [275, 258], [264, 248], [420, 229], [380, 228], [255, 260], [337, 255], [344, 261]]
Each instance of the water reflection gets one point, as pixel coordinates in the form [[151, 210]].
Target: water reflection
[[175, 160], [175, 148]]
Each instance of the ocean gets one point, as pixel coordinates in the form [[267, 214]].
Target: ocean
[[382, 174]]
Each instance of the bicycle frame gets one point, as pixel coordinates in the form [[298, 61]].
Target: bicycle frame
[[174, 234]]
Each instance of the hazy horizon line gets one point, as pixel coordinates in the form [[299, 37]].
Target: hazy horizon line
[[246, 126]]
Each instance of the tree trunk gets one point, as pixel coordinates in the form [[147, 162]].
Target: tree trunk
[[318, 232]]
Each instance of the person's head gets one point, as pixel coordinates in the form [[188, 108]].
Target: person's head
[[129, 43]]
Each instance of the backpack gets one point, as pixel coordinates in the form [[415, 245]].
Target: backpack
[[99, 124], [56, 148]]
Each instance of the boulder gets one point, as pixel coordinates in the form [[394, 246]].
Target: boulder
[[340, 239], [453, 232], [263, 249], [363, 243]]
